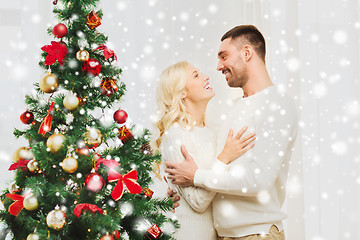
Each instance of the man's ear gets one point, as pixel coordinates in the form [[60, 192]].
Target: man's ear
[[248, 52]]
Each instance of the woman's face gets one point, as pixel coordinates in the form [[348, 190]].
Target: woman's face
[[197, 86]]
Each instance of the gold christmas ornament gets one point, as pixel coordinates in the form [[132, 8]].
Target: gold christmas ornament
[[56, 219], [55, 142], [33, 236], [71, 102], [32, 165], [69, 164], [49, 83], [30, 203], [22, 153], [82, 55], [93, 138]]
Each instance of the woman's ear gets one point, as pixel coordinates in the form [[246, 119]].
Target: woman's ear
[[184, 94]]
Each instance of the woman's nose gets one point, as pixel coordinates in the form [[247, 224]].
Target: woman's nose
[[205, 76]]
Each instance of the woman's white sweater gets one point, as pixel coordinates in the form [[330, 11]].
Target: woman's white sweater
[[195, 212]]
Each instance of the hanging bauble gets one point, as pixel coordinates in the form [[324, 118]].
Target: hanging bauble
[[120, 116], [30, 202], [22, 153], [82, 55], [116, 234], [92, 66], [60, 30], [55, 142], [71, 102], [69, 164], [125, 134], [33, 236], [108, 86], [93, 138], [94, 182], [56, 219], [49, 83], [83, 151], [93, 20], [33, 165], [27, 117], [107, 237]]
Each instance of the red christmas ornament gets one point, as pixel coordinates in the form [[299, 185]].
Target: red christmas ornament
[[92, 66], [116, 234], [94, 182], [120, 116], [108, 53], [86, 207], [107, 237], [110, 163], [147, 192], [16, 207], [93, 20], [46, 124], [125, 134], [20, 164], [56, 51], [60, 30], [27, 117], [154, 232], [129, 180]]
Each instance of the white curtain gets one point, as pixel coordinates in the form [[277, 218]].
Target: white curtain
[[312, 52]]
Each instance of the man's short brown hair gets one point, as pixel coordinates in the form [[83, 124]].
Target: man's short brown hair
[[251, 34]]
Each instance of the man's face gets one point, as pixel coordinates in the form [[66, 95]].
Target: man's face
[[231, 63]]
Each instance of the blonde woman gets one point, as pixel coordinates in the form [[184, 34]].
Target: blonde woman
[[182, 96]]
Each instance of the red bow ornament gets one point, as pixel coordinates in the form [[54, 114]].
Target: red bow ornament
[[108, 53], [128, 179], [16, 207], [86, 206], [56, 51], [46, 124]]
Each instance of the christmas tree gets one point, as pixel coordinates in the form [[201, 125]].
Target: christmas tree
[[64, 186]]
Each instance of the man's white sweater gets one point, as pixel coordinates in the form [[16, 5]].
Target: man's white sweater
[[252, 188]]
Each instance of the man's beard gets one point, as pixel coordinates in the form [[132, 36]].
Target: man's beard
[[239, 79]]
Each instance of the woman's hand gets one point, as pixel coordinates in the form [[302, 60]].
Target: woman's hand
[[236, 146]]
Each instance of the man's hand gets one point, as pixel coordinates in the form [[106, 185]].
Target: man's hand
[[182, 173]]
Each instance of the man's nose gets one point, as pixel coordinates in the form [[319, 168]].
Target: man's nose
[[220, 66]]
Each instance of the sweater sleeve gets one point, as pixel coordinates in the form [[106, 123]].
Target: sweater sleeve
[[258, 169], [198, 198]]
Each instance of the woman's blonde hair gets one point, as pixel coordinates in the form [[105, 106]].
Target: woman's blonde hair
[[169, 99]]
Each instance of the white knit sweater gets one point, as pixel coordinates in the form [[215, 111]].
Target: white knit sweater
[[251, 189], [195, 212]]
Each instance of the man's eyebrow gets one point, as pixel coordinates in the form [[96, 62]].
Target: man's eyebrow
[[220, 53]]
